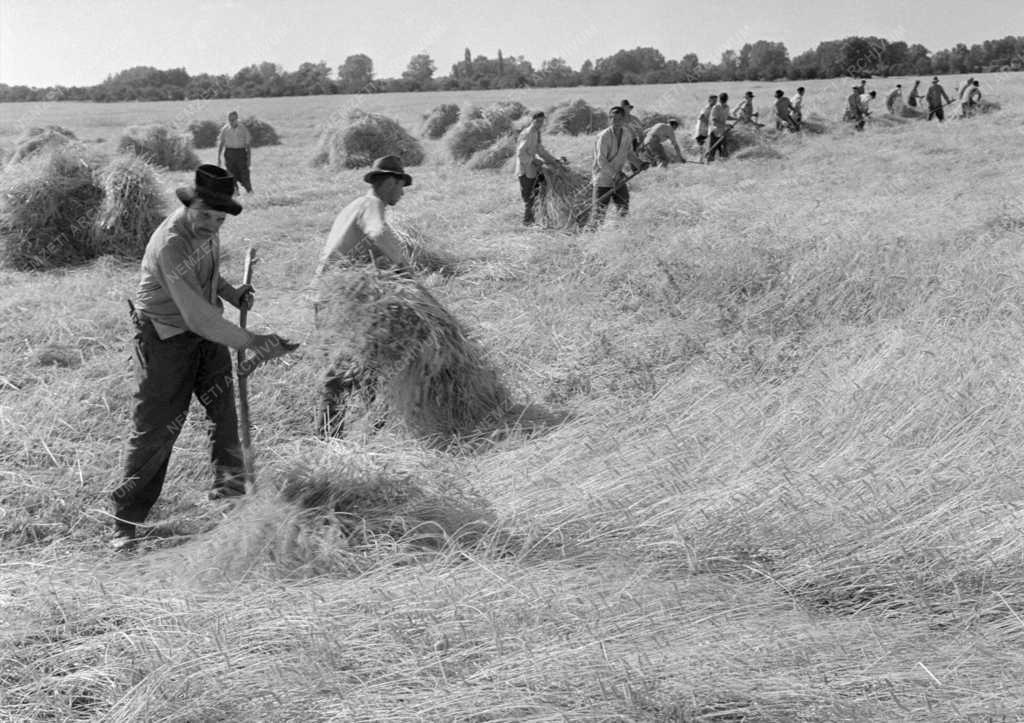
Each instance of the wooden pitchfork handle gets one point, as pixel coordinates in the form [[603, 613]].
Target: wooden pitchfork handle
[[244, 425], [618, 185]]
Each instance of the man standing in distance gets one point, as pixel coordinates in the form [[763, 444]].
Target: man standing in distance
[[181, 349], [937, 100], [719, 128], [235, 146], [529, 152], [612, 151], [361, 235], [704, 123], [798, 105]]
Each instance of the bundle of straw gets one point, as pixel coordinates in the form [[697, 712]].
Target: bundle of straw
[[364, 138], [495, 155], [423, 251], [565, 198], [261, 133], [205, 133], [160, 145], [34, 140], [429, 373], [439, 120], [133, 206], [576, 117]]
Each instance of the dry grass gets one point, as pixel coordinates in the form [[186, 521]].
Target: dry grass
[[789, 489], [34, 140], [160, 145]]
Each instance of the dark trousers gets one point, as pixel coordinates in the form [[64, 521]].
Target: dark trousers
[[169, 372], [529, 189], [603, 195], [236, 162], [656, 153], [342, 378], [717, 144], [937, 112]]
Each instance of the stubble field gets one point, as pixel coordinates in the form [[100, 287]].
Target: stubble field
[[790, 489]]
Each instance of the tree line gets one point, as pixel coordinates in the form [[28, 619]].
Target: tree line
[[856, 56]]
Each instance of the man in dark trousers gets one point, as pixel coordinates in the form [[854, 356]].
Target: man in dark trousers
[[612, 151], [181, 349], [360, 234], [235, 146], [530, 152], [937, 100]]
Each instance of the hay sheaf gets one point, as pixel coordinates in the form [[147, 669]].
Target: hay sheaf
[[205, 134], [473, 135], [814, 123], [495, 155], [34, 140], [576, 117], [565, 198], [48, 204], [365, 137], [133, 206], [504, 114], [261, 133], [430, 373], [160, 145], [439, 120], [423, 251]]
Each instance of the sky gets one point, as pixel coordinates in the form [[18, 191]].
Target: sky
[[81, 42]]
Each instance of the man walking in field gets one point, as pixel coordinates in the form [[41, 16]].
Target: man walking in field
[[784, 113], [234, 145], [654, 141], [529, 154], [704, 123], [798, 105], [914, 94], [894, 101], [720, 127], [181, 349], [937, 100], [970, 99], [854, 110], [360, 235], [612, 151], [745, 113]]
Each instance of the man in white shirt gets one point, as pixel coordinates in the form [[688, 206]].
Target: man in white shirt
[[704, 123], [612, 151], [798, 105], [529, 153], [234, 144]]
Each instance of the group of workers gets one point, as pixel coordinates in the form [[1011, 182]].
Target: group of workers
[[858, 103]]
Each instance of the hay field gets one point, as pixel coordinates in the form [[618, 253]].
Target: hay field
[[790, 489]]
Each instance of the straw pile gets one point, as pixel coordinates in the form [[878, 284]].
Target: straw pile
[[423, 251], [439, 120], [205, 134], [495, 155], [47, 205], [132, 207], [365, 137], [504, 114], [430, 374], [576, 117], [565, 198], [261, 133], [814, 123], [987, 106], [470, 136], [161, 146], [34, 140]]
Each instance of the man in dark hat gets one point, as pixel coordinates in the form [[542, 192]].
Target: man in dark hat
[[630, 121], [181, 349], [360, 234], [784, 119], [530, 152], [234, 145], [937, 100], [612, 152]]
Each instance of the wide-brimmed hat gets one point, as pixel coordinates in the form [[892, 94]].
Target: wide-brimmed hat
[[213, 186], [388, 166], [749, 94], [626, 104]]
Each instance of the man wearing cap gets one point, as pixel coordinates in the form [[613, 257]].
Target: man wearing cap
[[633, 124], [530, 152], [360, 235], [612, 151], [656, 137], [937, 100], [704, 123], [784, 113], [181, 349], [745, 113], [720, 127], [235, 146]]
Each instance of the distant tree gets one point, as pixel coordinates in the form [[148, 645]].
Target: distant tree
[[310, 79], [501, 64], [356, 73], [729, 66], [689, 69], [556, 73], [763, 60], [419, 72]]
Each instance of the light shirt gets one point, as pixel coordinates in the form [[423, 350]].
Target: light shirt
[[703, 120], [798, 102], [611, 155], [720, 118], [180, 287], [528, 148], [659, 133], [360, 233], [745, 111], [237, 137]]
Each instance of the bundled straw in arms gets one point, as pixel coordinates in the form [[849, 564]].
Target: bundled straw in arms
[[427, 370]]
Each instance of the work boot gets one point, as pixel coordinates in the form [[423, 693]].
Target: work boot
[[123, 537]]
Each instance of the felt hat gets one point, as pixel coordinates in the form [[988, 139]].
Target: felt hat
[[626, 104], [749, 94], [388, 166], [214, 187]]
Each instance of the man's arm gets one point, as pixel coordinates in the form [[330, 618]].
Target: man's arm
[[220, 147], [201, 317], [381, 237]]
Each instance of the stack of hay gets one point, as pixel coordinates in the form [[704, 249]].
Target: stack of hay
[[494, 155], [34, 140], [814, 123], [63, 206], [439, 120], [261, 133], [205, 134], [161, 146], [486, 139], [422, 250], [364, 138], [565, 198], [576, 117], [430, 374]]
